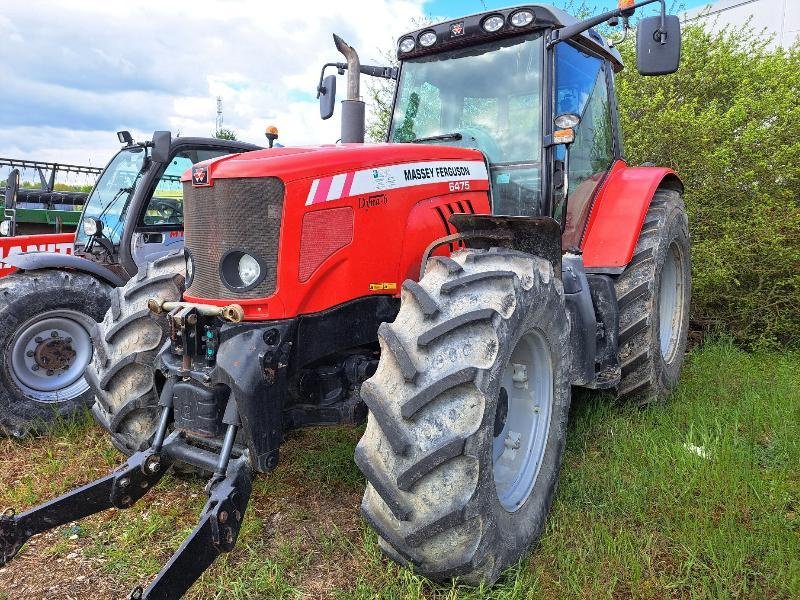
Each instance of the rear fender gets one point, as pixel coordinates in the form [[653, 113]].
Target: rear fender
[[617, 216], [34, 261]]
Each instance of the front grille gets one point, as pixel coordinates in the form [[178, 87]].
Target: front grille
[[233, 214]]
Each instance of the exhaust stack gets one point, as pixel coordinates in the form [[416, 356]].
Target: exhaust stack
[[353, 108]]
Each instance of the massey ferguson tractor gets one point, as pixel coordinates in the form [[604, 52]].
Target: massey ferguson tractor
[[451, 286], [60, 284]]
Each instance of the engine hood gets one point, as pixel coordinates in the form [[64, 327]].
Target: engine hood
[[291, 164]]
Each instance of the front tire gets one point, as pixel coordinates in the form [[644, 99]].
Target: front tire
[[461, 467], [122, 372], [46, 319]]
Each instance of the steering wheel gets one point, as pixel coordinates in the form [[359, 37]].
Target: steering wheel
[[169, 211]]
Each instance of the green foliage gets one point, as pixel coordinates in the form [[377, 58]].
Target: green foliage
[[729, 123], [225, 134]]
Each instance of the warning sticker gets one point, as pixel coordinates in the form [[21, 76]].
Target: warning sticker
[[393, 177]]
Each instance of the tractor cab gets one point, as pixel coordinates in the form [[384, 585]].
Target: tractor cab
[[532, 88]]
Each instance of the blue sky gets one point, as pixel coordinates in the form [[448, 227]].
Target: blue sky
[[455, 8], [76, 71]]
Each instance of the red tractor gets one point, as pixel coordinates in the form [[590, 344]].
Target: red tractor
[[453, 284]]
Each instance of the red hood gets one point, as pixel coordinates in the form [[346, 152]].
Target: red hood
[[318, 161]]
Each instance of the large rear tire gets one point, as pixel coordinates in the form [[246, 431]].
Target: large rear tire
[[46, 319], [468, 415], [122, 373], [653, 297]]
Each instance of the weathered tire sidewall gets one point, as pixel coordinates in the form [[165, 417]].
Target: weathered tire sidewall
[[677, 230], [514, 533], [27, 295]]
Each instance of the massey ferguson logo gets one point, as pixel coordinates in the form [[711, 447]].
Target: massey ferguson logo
[[199, 176], [457, 29]]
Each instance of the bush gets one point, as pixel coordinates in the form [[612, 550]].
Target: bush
[[729, 123]]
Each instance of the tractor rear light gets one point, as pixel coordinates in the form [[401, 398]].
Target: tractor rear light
[[493, 23], [521, 18], [407, 44], [324, 232], [427, 39], [5, 227]]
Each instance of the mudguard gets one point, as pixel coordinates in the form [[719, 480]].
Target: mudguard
[[33, 261], [617, 216]]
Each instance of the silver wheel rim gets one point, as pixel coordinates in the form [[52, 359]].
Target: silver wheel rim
[[521, 434], [670, 302], [49, 354]]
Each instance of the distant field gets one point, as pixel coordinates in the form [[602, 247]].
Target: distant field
[[697, 498]]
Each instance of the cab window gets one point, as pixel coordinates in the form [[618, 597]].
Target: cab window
[[582, 89], [166, 204]]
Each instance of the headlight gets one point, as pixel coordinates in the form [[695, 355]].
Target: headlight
[[522, 18], [493, 23], [5, 227], [427, 39], [249, 270], [407, 45], [92, 227], [241, 271], [567, 121], [189, 269]]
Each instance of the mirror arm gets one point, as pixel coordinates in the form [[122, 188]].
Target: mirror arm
[[570, 31], [340, 67]]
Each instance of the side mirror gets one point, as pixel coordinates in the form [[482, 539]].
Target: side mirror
[[125, 137], [658, 52], [162, 141], [327, 97], [12, 187]]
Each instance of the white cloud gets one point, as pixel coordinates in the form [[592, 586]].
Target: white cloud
[[74, 72]]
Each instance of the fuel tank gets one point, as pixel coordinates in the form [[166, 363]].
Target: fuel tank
[[291, 231]]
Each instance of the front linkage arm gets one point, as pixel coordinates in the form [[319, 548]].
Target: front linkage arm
[[229, 492], [120, 489]]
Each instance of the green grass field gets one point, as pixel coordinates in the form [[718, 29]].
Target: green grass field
[[698, 498]]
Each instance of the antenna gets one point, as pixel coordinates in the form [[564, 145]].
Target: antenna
[[219, 114]]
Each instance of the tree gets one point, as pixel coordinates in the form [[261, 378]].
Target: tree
[[225, 134], [729, 123]]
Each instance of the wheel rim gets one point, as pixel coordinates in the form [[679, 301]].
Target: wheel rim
[[524, 409], [49, 354], [670, 302]]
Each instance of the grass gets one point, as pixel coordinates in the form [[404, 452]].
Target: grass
[[697, 498]]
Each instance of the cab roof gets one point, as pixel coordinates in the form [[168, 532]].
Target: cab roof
[[468, 31]]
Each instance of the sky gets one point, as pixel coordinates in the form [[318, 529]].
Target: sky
[[75, 72]]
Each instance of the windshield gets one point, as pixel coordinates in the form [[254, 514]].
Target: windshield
[[110, 195], [489, 96]]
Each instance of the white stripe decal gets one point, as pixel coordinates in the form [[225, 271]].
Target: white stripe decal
[[336, 187], [313, 191], [402, 175]]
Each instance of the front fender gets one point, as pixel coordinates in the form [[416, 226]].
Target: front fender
[[35, 261], [617, 216]]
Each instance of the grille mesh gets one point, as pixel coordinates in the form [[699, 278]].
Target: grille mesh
[[233, 214]]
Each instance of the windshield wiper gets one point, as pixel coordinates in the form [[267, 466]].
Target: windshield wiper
[[437, 138]]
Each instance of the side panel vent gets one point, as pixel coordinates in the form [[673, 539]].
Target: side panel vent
[[324, 232]]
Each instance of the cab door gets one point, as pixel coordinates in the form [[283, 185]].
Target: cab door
[[582, 87]]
